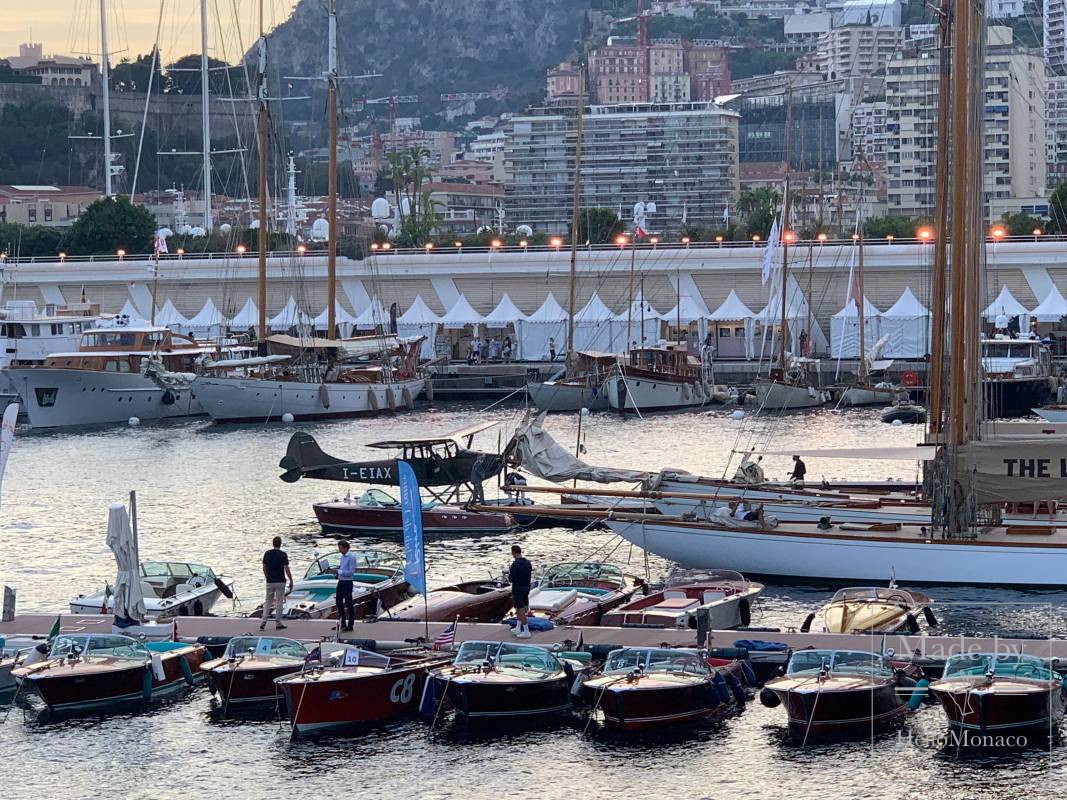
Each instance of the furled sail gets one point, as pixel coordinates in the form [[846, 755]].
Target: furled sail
[[534, 449], [1015, 471]]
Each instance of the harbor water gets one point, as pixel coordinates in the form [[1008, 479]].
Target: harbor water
[[211, 494]]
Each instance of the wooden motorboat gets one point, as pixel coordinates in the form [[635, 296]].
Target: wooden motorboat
[[725, 596], [245, 672], [836, 692], [871, 609], [351, 687], [581, 592], [660, 378], [378, 584], [377, 512], [170, 589], [467, 601], [102, 671], [651, 687], [1000, 692], [494, 680]]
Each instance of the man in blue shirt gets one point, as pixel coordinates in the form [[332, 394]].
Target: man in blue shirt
[[520, 574], [346, 569]]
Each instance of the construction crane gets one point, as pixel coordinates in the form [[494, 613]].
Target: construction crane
[[463, 97], [392, 101]]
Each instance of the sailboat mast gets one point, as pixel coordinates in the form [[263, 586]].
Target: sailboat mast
[[785, 222], [938, 327], [205, 115], [860, 300], [331, 209], [261, 127], [576, 214], [105, 75]]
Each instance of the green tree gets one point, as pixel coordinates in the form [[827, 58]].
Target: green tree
[[29, 240], [758, 207], [111, 224], [890, 225], [1057, 210], [1021, 224], [133, 76], [598, 226]]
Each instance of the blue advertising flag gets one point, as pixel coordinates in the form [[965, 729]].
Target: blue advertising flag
[[411, 510]]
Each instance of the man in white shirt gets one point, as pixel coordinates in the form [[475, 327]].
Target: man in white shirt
[[346, 569]]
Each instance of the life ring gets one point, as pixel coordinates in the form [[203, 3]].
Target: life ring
[[909, 379]]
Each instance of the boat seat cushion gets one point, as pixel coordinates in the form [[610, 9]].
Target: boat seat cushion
[[677, 603], [674, 594], [148, 590], [552, 599], [182, 588]]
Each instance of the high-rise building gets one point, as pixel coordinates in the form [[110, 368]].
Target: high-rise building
[[682, 156], [709, 74], [857, 50], [619, 73], [1014, 126], [1055, 51]]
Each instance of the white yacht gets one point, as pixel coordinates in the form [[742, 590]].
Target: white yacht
[[170, 589], [104, 380]]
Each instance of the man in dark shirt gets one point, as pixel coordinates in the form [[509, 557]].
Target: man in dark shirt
[[520, 574], [275, 573], [799, 470]]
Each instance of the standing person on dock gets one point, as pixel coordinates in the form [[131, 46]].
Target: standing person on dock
[[800, 469], [507, 348], [476, 350], [346, 570], [520, 574], [275, 573], [551, 349]]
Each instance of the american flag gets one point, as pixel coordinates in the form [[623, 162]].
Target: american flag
[[314, 655], [447, 637]]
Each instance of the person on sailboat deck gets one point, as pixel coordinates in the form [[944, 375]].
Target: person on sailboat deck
[[744, 512], [800, 469]]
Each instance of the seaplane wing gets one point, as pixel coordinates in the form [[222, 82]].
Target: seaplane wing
[[459, 436]]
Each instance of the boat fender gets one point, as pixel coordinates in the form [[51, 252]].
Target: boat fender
[[906, 680], [390, 398], [408, 400], [198, 608], [744, 610], [372, 399], [324, 396], [769, 698], [736, 689], [719, 682], [711, 696], [806, 625], [913, 624], [749, 674], [224, 588], [918, 694], [728, 653], [568, 670], [168, 398], [157, 668], [187, 671], [576, 687], [146, 684], [928, 613]]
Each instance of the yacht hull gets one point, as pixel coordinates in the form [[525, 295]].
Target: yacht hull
[[254, 400], [637, 395], [866, 396], [1015, 397], [59, 398], [775, 396], [557, 396]]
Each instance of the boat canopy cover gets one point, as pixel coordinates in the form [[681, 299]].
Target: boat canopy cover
[[506, 313], [541, 455], [1005, 304], [732, 309], [129, 598], [1052, 309], [461, 314], [1013, 471]]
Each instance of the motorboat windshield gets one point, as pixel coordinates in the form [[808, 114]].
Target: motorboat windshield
[[583, 575], [656, 659], [842, 662], [503, 654], [381, 560], [176, 569], [703, 577], [873, 594], [98, 645], [270, 646], [1001, 665]]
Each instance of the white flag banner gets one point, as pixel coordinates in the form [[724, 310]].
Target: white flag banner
[[768, 254], [7, 435]]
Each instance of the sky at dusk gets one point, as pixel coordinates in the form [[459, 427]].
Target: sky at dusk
[[72, 27]]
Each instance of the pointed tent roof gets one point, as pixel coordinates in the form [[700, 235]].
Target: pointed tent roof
[[850, 311], [207, 317], [594, 311], [907, 306], [1005, 304], [732, 309], [290, 315], [418, 314], [638, 308], [130, 310], [550, 311], [373, 315], [505, 313], [461, 314], [247, 317], [340, 316], [692, 309], [796, 308], [169, 315], [1052, 308]]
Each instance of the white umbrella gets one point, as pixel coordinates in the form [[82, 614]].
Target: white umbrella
[[129, 600]]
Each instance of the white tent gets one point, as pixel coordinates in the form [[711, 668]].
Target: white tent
[[132, 315], [247, 317], [593, 330], [906, 328], [1052, 309], [547, 322], [1006, 305], [341, 318], [419, 320], [208, 323], [372, 317], [461, 315], [688, 309], [798, 319], [170, 317], [505, 314], [628, 323], [845, 329], [733, 310], [290, 315]]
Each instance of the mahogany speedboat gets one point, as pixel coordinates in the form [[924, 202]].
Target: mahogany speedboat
[[1000, 692], [467, 601], [99, 671], [378, 583], [581, 592], [494, 680], [726, 596], [652, 687], [246, 671], [356, 687], [830, 692], [873, 609], [378, 512]]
